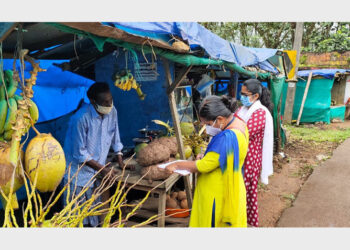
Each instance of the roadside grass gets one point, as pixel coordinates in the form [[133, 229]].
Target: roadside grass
[[262, 187], [289, 198], [304, 171], [318, 135]]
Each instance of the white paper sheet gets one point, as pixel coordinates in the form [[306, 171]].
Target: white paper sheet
[[181, 172]]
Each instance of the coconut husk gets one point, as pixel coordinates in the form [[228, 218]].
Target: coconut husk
[[6, 171], [6, 168], [180, 45], [169, 142], [152, 154], [154, 173]]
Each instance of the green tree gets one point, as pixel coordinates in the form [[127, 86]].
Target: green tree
[[250, 34], [329, 37], [317, 36]]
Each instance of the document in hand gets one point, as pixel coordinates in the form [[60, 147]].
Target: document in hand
[[181, 172]]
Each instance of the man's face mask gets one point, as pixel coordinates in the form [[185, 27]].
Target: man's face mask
[[103, 110], [211, 130]]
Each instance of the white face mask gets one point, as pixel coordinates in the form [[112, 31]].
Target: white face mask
[[210, 130], [103, 110]]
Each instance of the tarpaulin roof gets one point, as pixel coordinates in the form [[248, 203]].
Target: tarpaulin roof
[[5, 29], [101, 34], [263, 53], [64, 88], [196, 35], [326, 73]]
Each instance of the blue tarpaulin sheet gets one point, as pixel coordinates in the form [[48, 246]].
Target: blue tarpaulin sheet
[[56, 92], [262, 53], [196, 35], [4, 27], [326, 73]]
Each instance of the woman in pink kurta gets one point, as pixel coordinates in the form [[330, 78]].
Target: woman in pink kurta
[[258, 163]]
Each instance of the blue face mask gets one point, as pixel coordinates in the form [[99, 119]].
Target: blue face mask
[[245, 101]]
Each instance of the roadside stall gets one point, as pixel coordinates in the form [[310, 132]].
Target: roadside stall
[[322, 95], [143, 69]]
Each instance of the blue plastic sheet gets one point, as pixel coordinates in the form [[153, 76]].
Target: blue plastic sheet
[[262, 53], [326, 73], [56, 92], [133, 113], [268, 67], [4, 27], [196, 35]]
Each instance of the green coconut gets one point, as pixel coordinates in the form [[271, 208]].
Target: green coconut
[[197, 149], [187, 128], [139, 147]]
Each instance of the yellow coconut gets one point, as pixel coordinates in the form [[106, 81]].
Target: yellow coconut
[[6, 169], [188, 151], [44, 157]]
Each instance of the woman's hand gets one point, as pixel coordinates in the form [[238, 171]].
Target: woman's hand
[[199, 156], [170, 168]]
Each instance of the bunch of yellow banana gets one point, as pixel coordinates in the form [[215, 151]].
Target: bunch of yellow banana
[[9, 106], [125, 81]]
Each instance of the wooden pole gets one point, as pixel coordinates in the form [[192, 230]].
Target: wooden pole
[[304, 97], [179, 79], [279, 137], [288, 109], [176, 122], [235, 82], [231, 86]]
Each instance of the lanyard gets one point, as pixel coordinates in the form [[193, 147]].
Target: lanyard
[[229, 123]]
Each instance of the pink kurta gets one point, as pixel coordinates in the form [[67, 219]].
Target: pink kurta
[[252, 164]]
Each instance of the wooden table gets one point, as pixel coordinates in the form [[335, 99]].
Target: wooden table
[[132, 177]]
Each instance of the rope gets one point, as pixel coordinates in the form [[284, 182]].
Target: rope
[[136, 65], [143, 53], [75, 50]]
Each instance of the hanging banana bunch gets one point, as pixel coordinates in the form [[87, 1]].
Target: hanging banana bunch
[[126, 81], [17, 115], [10, 104]]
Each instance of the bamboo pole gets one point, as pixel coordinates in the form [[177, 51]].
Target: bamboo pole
[[176, 122], [304, 97]]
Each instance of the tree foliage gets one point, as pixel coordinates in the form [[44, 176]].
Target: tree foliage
[[329, 37], [317, 36]]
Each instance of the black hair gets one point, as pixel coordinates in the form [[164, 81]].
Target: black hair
[[214, 106], [97, 88], [254, 86]]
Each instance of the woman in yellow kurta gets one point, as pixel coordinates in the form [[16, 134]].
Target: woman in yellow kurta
[[220, 195]]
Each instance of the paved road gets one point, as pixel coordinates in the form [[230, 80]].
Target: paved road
[[324, 200]]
